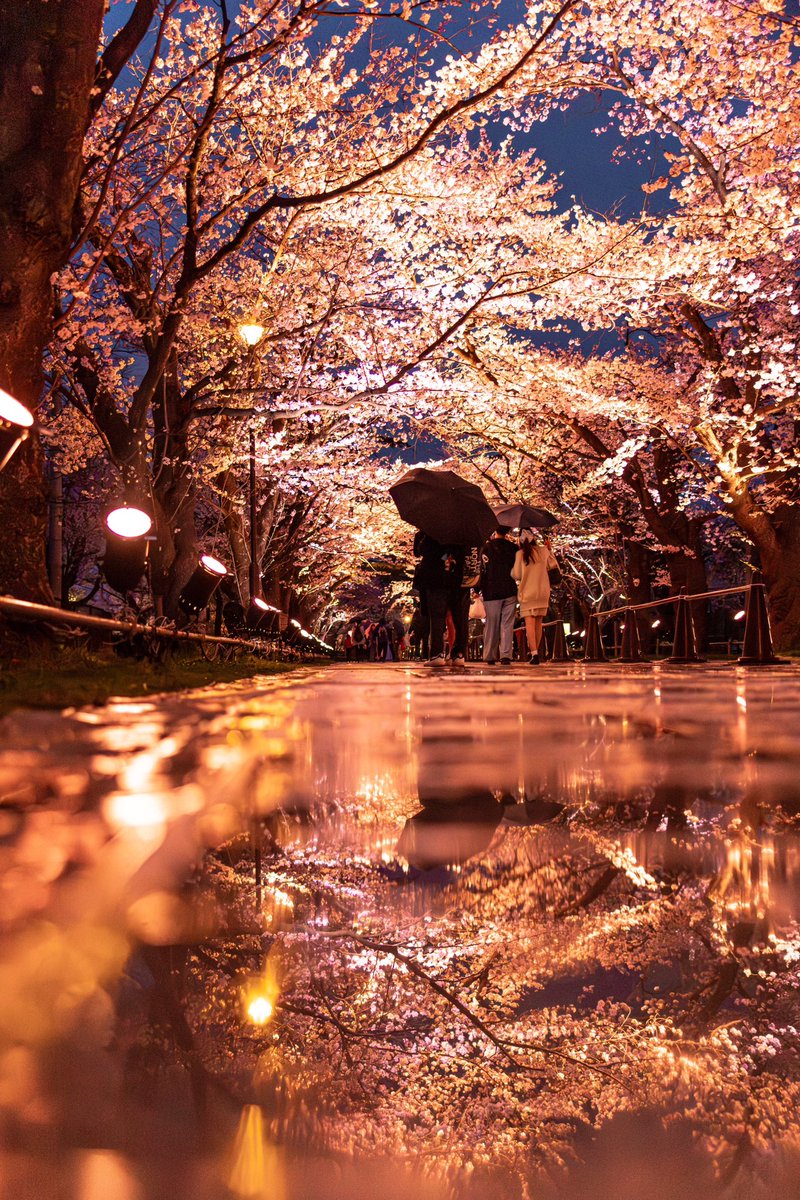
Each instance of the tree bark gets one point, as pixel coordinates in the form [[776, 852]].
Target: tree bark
[[776, 537], [48, 55]]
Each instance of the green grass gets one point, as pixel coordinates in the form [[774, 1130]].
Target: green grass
[[63, 678]]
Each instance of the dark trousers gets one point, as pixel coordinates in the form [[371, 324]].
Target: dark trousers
[[440, 601]]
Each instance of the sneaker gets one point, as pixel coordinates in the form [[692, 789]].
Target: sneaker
[[506, 662], [438, 660], [489, 662], [534, 660], [458, 658]]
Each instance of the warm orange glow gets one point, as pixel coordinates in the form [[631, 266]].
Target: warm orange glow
[[128, 522], [12, 411], [213, 565], [251, 334], [132, 811], [259, 603], [260, 1009]]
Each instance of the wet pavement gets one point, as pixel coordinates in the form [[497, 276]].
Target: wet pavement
[[381, 928]]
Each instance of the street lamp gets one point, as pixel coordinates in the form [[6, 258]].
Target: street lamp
[[125, 555], [15, 425], [251, 333], [203, 582]]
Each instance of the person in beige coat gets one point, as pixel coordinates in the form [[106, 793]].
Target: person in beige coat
[[531, 567]]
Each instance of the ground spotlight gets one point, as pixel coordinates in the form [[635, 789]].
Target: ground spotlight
[[258, 614], [126, 547], [15, 425], [203, 582]]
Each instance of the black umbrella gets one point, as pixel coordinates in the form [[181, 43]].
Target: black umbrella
[[445, 506], [524, 516]]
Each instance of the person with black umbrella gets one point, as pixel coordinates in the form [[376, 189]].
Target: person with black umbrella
[[439, 575], [499, 593], [450, 514]]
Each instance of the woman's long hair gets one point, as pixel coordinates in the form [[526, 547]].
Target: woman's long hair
[[528, 546]]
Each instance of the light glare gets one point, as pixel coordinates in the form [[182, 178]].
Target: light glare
[[213, 565], [128, 522], [251, 334], [12, 411]]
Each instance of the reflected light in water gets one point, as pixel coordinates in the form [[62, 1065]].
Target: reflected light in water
[[142, 812], [256, 1169], [104, 1175]]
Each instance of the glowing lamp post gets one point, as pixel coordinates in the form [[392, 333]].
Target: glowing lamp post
[[204, 581], [126, 547], [15, 426]]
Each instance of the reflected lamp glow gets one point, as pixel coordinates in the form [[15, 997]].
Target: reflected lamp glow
[[203, 582], [125, 556], [15, 426], [740, 615], [251, 333], [655, 624]]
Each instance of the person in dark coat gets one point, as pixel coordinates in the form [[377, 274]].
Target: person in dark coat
[[499, 593], [439, 575]]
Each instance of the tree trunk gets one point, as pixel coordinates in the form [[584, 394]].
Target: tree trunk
[[780, 563], [48, 54], [776, 537], [639, 585], [233, 518], [688, 571]]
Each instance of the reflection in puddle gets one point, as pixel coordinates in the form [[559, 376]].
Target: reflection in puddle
[[500, 931]]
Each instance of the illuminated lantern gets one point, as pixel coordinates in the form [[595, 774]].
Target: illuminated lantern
[[15, 425], [125, 555], [204, 581]]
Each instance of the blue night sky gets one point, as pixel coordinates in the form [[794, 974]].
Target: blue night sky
[[566, 141]]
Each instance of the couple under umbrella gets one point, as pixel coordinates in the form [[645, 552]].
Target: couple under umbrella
[[450, 515]]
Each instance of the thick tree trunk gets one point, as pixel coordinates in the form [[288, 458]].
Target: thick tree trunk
[[48, 54], [639, 585], [780, 562], [776, 537], [233, 518]]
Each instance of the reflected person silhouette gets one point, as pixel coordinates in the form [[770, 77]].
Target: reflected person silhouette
[[458, 815]]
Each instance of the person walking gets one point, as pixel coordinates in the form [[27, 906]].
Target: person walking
[[440, 573], [531, 571], [499, 592]]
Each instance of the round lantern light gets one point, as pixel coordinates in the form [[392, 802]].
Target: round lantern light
[[15, 426]]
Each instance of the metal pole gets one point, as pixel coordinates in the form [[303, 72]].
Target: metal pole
[[254, 588], [55, 540]]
